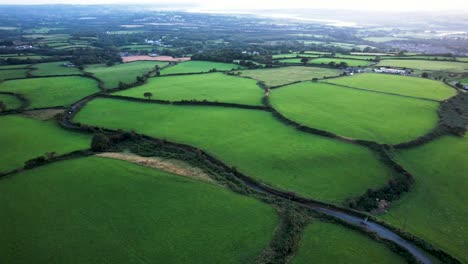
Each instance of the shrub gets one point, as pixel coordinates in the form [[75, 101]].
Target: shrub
[[100, 142]]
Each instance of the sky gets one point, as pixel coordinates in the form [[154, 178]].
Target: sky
[[365, 5]]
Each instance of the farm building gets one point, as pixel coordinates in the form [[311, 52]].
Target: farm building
[[390, 70]]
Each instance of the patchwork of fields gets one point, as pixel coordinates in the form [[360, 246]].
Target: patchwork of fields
[[283, 157], [125, 73], [142, 214]]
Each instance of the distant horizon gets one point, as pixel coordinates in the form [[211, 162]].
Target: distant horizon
[[428, 6]]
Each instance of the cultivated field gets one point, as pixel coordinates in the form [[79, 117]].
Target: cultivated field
[[435, 209], [54, 68], [426, 65], [24, 138], [126, 72], [10, 101], [213, 87], [285, 75], [330, 243], [254, 142], [199, 66], [408, 86], [51, 91], [13, 74], [95, 210], [356, 114], [350, 62]]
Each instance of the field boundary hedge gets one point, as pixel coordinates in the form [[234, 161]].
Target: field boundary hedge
[[24, 101]]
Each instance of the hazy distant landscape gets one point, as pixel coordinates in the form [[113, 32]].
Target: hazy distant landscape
[[222, 132]]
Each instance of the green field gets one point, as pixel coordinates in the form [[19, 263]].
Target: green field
[[435, 209], [462, 59], [356, 114], [464, 80], [285, 75], [213, 87], [291, 60], [254, 142], [96, 210], [22, 139], [409, 86], [330, 243], [199, 66], [449, 66], [126, 72], [54, 68], [51, 91], [13, 74], [10, 101], [294, 55], [350, 62], [356, 57]]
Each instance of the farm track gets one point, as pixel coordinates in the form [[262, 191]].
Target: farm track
[[351, 217]]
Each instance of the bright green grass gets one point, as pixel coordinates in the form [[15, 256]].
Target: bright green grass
[[356, 114], [10, 101], [199, 66], [52, 91], [464, 80], [449, 66], [126, 72], [214, 87], [351, 63], [331, 243], [22, 139], [409, 86], [254, 142], [285, 75], [436, 208], [13, 74], [54, 68], [97, 210]]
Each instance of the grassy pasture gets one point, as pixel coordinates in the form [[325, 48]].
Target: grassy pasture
[[22, 139], [95, 210], [357, 57], [356, 114], [254, 142], [13, 74], [462, 59], [51, 91], [436, 208], [351, 63], [332, 243], [449, 66], [10, 101], [409, 86], [285, 75], [294, 55], [464, 80], [54, 68], [214, 87], [199, 66], [125, 72]]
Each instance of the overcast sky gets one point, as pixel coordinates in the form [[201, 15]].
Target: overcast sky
[[389, 5]]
